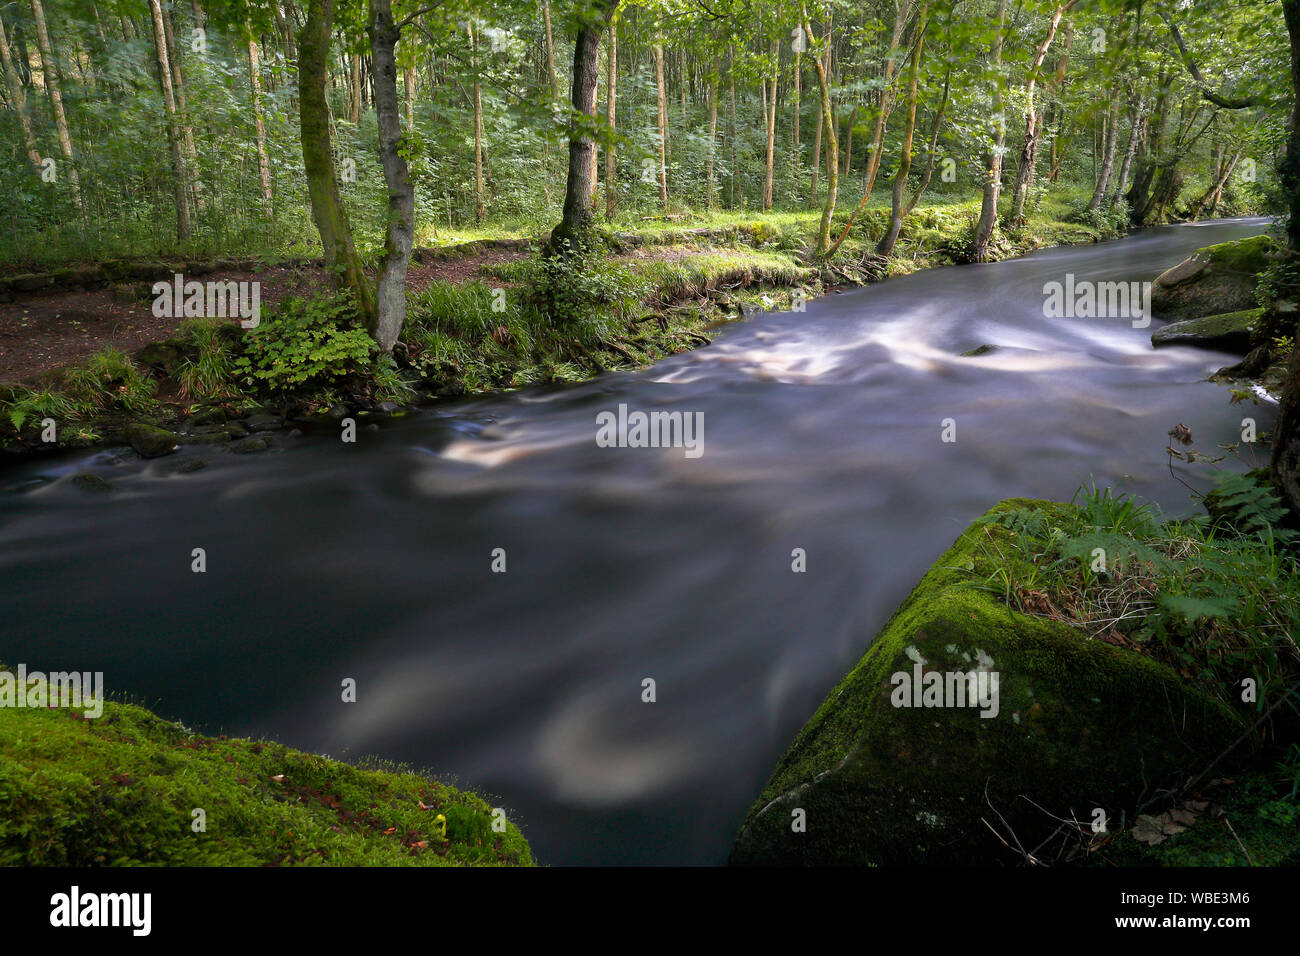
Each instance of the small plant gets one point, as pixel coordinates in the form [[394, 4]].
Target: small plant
[[307, 342], [209, 372], [24, 406], [109, 379]]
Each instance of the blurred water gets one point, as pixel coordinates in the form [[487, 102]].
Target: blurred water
[[372, 561]]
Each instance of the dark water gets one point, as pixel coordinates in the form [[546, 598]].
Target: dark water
[[372, 561]]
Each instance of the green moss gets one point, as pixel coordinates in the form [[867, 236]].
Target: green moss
[[1227, 330], [1080, 724], [1249, 256], [121, 789]]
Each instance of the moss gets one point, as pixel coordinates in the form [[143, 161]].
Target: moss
[[149, 441], [1249, 256], [121, 789], [1080, 724], [1229, 331]]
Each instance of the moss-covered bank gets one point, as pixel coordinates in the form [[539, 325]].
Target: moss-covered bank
[[123, 789], [1078, 725]]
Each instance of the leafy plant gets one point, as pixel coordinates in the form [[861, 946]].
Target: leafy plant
[[109, 379], [306, 342]]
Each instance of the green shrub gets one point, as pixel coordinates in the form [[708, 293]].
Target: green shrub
[[107, 380], [305, 342], [208, 369]]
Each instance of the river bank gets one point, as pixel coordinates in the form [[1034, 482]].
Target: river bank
[[115, 785], [473, 329]]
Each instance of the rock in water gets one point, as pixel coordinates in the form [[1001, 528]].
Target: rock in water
[[149, 441], [88, 482], [1071, 724], [1229, 332], [1216, 279]]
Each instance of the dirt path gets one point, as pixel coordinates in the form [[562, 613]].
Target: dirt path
[[42, 332]]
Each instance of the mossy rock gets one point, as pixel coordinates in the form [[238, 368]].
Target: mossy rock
[[1214, 280], [1079, 724], [121, 789], [165, 357], [1229, 332], [150, 441]]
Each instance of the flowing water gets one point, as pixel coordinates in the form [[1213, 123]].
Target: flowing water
[[822, 431]]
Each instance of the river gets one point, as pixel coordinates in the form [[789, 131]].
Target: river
[[373, 561]]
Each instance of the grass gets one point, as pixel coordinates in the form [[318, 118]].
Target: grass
[[121, 789], [207, 369], [1216, 596]]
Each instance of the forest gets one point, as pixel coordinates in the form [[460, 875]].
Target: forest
[[560, 412]]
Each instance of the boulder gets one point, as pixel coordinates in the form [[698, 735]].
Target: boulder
[[88, 482], [165, 357], [250, 446], [1075, 724], [1229, 332], [1216, 279], [149, 441]]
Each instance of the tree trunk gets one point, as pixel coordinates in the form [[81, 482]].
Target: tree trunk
[[882, 118], [1029, 152], [408, 83], [180, 177], [611, 95], [480, 190], [663, 125], [1137, 129], [931, 154], [1212, 194], [770, 157], [795, 158], [182, 108], [567, 237], [993, 160], [886, 245], [832, 147], [731, 78], [331, 219], [1285, 463], [13, 83], [713, 139], [550, 51], [56, 101], [354, 90], [259, 121], [390, 299], [1108, 155]]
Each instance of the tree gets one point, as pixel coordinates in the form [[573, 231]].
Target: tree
[[569, 235], [327, 210], [1285, 462], [390, 301], [988, 219]]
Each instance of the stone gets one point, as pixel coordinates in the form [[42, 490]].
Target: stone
[[883, 778], [150, 441], [1214, 280], [1230, 332]]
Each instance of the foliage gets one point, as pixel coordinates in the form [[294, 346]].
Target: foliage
[[305, 342], [109, 379], [1216, 596]]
